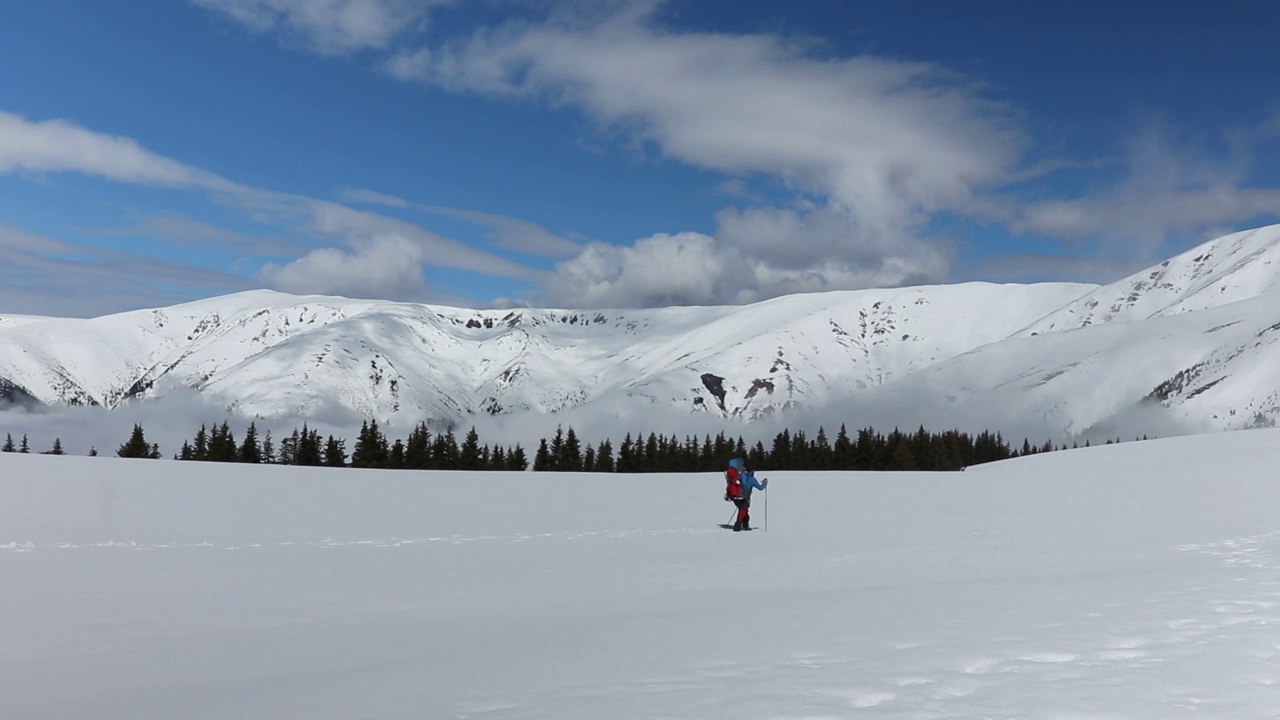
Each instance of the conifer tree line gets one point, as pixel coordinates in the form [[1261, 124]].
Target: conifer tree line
[[566, 452], [866, 450], [421, 450], [24, 447]]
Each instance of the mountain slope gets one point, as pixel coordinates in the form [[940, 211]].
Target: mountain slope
[[1216, 369], [1234, 267], [273, 355], [1186, 346]]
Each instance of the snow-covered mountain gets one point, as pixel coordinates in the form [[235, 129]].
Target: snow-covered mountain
[[1192, 339], [1187, 346], [270, 354], [1234, 267]]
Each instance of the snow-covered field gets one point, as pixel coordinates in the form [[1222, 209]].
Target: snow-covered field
[[1129, 581]]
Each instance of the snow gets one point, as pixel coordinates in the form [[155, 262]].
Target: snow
[[15, 320], [1057, 362], [272, 355], [1128, 581]]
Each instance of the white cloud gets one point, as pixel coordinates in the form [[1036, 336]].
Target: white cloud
[[871, 148], [514, 233], [331, 27], [339, 221], [790, 240], [1166, 191], [62, 146], [46, 276], [685, 269], [509, 232], [385, 267], [369, 197], [696, 269], [885, 139]]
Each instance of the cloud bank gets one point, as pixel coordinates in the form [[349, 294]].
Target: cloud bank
[[869, 149]]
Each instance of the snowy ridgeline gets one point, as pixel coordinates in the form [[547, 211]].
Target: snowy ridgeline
[[1128, 581], [1187, 346]]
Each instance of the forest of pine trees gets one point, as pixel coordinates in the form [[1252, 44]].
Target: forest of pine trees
[[867, 450], [372, 449], [565, 451], [24, 447]]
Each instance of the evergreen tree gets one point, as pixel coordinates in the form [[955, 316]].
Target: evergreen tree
[[900, 452], [200, 450], [780, 455], [626, 455], [250, 451], [222, 444], [268, 449], [555, 453], [469, 453], [93, 451], [309, 448], [842, 450], [371, 449], [649, 463], [570, 459], [516, 459], [395, 457], [289, 449], [417, 450], [689, 453], [24, 447], [800, 456], [444, 451], [542, 458], [589, 460], [706, 455], [820, 454], [57, 448], [604, 457], [335, 453], [137, 446], [8, 444]]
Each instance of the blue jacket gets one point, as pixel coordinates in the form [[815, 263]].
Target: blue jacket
[[749, 482]]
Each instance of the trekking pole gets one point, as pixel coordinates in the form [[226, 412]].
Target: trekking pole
[[734, 516], [766, 509]]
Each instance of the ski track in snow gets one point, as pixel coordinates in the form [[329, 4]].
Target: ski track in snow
[[1132, 653], [1112, 589], [28, 546], [1178, 629], [924, 679]]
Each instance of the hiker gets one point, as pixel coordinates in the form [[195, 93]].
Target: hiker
[[744, 478]]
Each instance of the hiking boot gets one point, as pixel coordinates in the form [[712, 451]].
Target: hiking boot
[[737, 527]]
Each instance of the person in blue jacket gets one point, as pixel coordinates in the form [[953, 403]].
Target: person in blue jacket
[[749, 483]]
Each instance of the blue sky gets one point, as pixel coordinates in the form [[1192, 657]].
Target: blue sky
[[615, 153]]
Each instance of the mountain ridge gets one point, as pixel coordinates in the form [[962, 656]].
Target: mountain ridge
[[1193, 337]]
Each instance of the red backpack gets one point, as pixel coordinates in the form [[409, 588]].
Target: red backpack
[[732, 485]]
